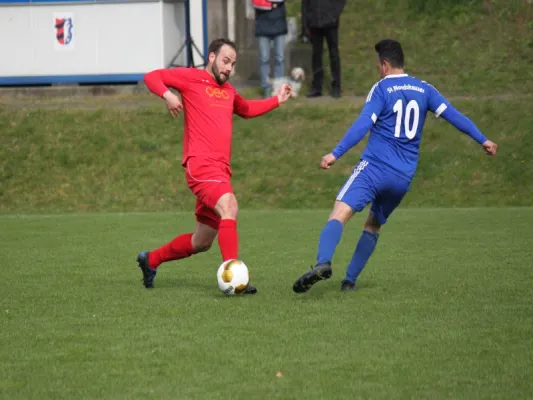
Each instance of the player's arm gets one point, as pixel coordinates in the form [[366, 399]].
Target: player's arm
[[254, 108], [160, 81], [353, 136], [465, 125], [442, 108], [369, 115]]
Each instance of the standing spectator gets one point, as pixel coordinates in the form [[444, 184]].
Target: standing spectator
[[320, 19], [270, 30]]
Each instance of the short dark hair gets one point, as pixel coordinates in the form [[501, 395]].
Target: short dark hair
[[216, 45], [391, 51]]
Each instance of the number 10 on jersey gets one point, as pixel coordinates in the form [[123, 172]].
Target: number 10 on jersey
[[412, 111]]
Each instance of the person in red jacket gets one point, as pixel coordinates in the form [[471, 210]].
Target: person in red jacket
[[208, 102]]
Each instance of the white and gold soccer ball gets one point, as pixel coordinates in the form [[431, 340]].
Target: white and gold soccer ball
[[233, 277]]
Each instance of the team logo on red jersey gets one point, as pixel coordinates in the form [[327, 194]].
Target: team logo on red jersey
[[217, 93]]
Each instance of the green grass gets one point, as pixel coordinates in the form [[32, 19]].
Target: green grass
[[444, 310], [460, 46], [128, 159]]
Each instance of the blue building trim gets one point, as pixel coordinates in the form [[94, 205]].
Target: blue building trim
[[188, 60], [205, 26], [62, 79]]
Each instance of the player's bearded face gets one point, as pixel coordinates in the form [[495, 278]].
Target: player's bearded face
[[223, 64], [219, 76]]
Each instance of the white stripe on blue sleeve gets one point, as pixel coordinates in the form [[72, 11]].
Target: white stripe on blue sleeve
[[440, 110], [369, 97]]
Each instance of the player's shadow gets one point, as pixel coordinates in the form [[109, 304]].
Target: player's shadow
[[169, 282], [194, 287], [190, 284], [326, 289], [365, 285]]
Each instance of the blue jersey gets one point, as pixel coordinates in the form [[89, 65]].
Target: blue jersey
[[398, 105], [395, 113]]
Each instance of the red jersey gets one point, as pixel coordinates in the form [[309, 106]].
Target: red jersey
[[208, 110]]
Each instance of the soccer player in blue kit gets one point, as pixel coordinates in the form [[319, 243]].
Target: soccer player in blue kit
[[394, 112]]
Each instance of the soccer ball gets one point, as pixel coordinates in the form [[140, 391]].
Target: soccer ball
[[233, 277]]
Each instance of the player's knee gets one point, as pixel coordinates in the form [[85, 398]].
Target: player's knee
[[341, 212], [227, 207], [371, 224], [201, 244], [204, 246], [229, 212], [372, 228]]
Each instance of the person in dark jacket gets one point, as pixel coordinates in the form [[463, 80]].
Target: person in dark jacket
[[320, 19], [270, 30]]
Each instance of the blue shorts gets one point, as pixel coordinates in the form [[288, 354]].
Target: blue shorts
[[374, 183]]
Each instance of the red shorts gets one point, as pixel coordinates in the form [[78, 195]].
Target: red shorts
[[208, 179]]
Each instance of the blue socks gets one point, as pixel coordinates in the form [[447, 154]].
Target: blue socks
[[329, 238], [363, 251]]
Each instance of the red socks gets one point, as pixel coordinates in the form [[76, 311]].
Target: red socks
[[179, 247], [228, 239]]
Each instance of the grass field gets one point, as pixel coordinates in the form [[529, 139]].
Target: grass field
[[54, 160], [444, 310]]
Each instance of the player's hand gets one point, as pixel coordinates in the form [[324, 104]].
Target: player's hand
[[327, 161], [284, 93], [490, 148], [173, 103]]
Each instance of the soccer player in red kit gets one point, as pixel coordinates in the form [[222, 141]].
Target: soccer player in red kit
[[208, 102]]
